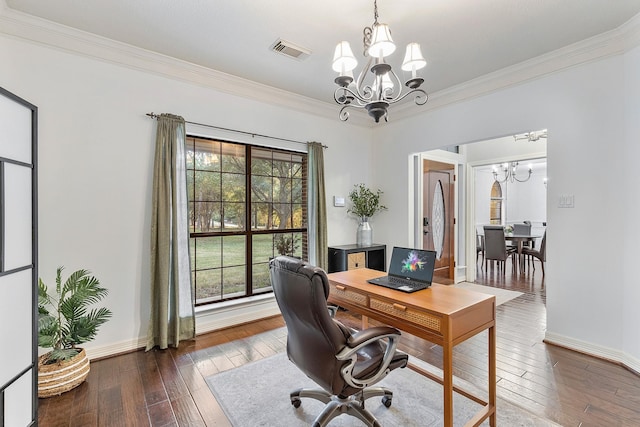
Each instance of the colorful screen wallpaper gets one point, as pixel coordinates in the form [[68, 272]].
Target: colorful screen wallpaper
[[413, 262]]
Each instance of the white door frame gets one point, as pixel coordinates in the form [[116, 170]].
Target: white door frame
[[416, 171]]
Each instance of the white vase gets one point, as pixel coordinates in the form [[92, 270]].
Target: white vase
[[364, 235]]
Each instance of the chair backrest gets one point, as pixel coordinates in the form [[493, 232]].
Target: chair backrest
[[479, 242], [494, 245], [543, 247], [314, 338], [521, 228]]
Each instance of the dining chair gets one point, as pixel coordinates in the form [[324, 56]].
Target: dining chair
[[540, 254], [521, 228], [495, 247], [479, 246], [524, 229]]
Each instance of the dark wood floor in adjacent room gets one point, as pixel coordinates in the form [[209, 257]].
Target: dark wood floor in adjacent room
[[167, 388]]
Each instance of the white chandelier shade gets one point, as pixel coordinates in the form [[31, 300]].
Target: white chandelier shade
[[381, 42], [343, 59], [413, 59]]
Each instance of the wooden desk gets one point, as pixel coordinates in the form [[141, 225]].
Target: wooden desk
[[443, 315]]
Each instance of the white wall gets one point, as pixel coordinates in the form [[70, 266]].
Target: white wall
[[583, 109], [95, 165], [523, 200], [628, 170], [96, 149]]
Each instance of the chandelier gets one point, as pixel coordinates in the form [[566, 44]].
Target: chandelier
[[510, 173], [531, 136], [385, 87]]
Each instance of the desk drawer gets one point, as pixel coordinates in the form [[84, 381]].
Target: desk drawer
[[419, 318], [343, 293]]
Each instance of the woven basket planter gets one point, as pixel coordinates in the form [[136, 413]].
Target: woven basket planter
[[63, 376]]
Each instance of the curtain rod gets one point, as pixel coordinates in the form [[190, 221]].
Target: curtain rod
[[253, 135]]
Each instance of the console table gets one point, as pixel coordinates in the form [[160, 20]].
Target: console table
[[441, 314], [349, 257]]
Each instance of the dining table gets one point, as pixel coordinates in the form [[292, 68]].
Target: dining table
[[518, 240]]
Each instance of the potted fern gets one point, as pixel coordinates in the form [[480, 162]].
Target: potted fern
[[64, 322]]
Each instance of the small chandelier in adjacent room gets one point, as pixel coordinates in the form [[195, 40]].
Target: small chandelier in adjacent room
[[510, 173], [385, 88]]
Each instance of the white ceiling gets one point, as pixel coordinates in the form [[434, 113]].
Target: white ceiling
[[461, 39]]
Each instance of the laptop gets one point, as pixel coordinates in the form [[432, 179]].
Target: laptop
[[410, 270]]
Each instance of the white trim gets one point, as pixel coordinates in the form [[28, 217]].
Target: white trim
[[43, 32], [614, 42], [236, 313], [584, 347], [68, 39], [625, 359], [631, 362], [415, 203], [208, 319]]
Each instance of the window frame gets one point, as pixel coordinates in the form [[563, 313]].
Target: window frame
[[249, 230]]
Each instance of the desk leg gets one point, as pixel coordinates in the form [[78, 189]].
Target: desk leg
[[365, 322], [447, 382], [492, 375]]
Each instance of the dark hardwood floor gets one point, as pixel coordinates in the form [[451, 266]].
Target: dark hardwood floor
[[167, 388]]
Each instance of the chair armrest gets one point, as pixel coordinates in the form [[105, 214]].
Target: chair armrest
[[362, 339], [367, 335], [333, 309]]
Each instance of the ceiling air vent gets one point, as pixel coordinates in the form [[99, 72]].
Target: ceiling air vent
[[289, 49]]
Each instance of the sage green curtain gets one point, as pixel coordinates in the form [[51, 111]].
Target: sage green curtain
[[317, 227], [172, 314]]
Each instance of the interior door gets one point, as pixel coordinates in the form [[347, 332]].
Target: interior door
[[438, 216], [18, 261]]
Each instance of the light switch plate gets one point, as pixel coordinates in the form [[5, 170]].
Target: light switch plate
[[566, 201], [338, 201]]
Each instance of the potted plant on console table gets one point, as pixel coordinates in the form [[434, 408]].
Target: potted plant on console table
[[364, 204], [63, 323]]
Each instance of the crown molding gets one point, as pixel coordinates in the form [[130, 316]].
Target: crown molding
[[57, 36], [68, 39], [614, 42]]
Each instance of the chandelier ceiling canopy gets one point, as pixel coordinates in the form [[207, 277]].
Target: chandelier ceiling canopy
[[384, 86]]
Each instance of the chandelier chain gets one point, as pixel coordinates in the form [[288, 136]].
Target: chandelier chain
[[375, 12], [366, 40]]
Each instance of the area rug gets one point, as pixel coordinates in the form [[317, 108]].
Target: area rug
[[257, 394], [502, 295]]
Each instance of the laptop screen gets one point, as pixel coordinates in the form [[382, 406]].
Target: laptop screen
[[415, 264]]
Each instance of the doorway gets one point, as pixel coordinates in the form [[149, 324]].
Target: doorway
[[438, 215]]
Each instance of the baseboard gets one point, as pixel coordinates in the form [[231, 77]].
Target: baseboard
[[220, 316], [601, 352], [243, 311], [631, 363], [590, 349], [110, 350], [460, 274]]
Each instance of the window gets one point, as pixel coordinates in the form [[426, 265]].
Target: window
[[495, 206], [247, 204]]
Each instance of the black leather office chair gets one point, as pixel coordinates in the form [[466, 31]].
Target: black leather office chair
[[343, 362]]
